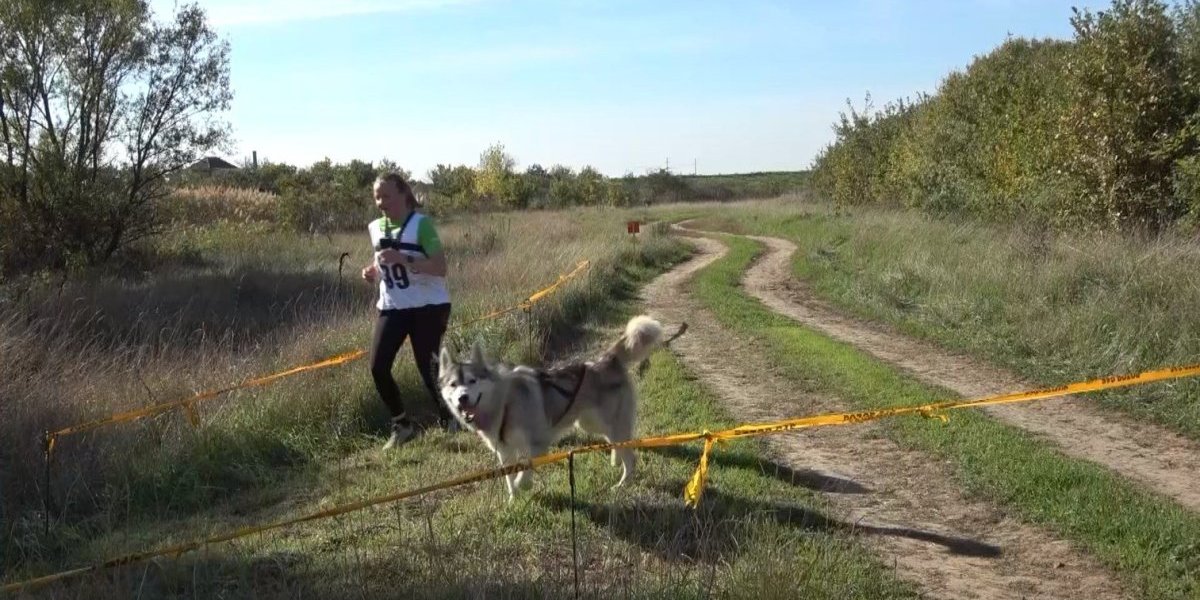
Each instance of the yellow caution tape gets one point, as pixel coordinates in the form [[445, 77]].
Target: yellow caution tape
[[537, 296], [188, 404], [489, 316], [179, 549], [695, 485], [534, 298], [931, 411]]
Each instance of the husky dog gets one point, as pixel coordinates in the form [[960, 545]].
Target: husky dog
[[520, 411]]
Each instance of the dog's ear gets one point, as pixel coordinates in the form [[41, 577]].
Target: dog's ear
[[477, 356], [445, 361]]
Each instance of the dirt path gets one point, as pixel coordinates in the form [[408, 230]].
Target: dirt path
[[1161, 460], [950, 546]]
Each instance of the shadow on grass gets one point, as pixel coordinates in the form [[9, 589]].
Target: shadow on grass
[[340, 572], [711, 532], [813, 480]]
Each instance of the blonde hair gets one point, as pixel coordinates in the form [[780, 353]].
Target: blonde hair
[[402, 186]]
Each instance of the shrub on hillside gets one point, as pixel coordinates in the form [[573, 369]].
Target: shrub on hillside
[[1096, 131]]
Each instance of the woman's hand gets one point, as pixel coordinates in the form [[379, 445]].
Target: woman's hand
[[370, 273]]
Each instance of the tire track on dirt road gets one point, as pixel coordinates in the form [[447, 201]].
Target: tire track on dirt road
[[1157, 458], [904, 505]]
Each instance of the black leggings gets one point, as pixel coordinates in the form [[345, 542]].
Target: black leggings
[[425, 325]]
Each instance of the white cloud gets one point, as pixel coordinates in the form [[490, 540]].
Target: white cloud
[[224, 13]]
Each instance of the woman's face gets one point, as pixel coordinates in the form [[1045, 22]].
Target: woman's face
[[388, 198]]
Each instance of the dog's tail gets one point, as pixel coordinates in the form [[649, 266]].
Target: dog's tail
[[642, 336]]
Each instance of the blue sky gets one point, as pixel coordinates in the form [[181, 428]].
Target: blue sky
[[622, 85]]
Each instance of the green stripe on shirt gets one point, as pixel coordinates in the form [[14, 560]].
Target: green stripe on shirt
[[427, 237]]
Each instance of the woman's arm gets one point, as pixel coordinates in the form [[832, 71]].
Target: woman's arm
[[434, 265], [428, 238]]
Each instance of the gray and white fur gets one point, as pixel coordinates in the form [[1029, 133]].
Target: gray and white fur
[[519, 412]]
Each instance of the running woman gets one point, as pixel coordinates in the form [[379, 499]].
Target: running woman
[[410, 270]]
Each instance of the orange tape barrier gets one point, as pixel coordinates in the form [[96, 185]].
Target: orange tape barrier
[[188, 404], [695, 485]]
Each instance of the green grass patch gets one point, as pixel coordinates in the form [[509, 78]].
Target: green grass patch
[[758, 530], [163, 468], [1052, 307], [1147, 539]]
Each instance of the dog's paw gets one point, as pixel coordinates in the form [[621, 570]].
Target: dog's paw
[[524, 483]]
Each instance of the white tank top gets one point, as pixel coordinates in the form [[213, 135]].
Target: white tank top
[[399, 287]]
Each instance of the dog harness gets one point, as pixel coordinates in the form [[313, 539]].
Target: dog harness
[[547, 379]]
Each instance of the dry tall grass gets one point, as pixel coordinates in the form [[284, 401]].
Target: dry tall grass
[[216, 203], [248, 300], [234, 300]]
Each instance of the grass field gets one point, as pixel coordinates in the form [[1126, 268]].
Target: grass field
[[747, 185], [1146, 538], [236, 300], [1053, 307], [233, 296], [312, 442], [756, 532]]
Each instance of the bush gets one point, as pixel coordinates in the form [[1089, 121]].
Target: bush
[[1125, 111], [856, 168], [326, 196], [1097, 131], [1187, 187]]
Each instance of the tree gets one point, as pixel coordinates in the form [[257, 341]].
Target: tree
[[1126, 112], [1187, 143], [99, 104], [591, 186], [454, 186], [497, 183]]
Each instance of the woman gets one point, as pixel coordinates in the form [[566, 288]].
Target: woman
[[410, 270]]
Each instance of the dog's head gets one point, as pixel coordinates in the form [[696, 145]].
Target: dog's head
[[467, 387]]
